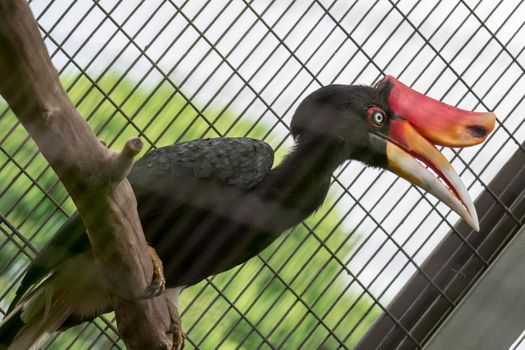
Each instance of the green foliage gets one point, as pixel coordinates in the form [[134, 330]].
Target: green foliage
[[308, 305]]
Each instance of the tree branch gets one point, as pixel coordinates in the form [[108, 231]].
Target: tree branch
[[94, 176]]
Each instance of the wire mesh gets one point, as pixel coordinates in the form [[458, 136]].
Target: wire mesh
[[170, 70]]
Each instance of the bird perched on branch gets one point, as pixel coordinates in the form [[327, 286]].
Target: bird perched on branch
[[209, 205]]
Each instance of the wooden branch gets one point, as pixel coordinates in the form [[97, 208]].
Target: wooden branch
[[94, 176]]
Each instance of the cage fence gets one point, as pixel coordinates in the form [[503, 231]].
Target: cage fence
[[172, 70]]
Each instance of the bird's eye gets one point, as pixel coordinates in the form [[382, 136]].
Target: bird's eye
[[376, 117]]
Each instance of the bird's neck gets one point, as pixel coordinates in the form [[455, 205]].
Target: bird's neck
[[302, 180]]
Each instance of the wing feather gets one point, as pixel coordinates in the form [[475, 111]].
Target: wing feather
[[237, 162]]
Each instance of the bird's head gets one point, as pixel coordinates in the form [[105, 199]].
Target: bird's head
[[396, 128]]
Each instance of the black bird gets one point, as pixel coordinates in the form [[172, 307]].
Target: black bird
[[209, 205]]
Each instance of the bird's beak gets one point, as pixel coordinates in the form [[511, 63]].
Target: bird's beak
[[420, 123]]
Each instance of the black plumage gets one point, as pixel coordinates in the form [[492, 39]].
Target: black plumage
[[165, 181], [201, 199], [209, 205]]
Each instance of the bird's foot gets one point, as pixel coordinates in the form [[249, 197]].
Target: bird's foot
[[176, 327], [158, 284]]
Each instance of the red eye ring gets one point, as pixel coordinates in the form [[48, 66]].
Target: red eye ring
[[376, 116]]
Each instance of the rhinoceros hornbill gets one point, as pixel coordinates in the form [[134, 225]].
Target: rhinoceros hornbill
[[208, 205]]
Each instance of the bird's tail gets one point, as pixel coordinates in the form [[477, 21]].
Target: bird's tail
[[9, 328], [36, 317]]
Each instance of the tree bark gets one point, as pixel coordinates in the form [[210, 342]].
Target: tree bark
[[94, 176]]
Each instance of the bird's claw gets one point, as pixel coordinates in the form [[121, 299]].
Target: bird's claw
[[178, 337], [155, 289], [158, 284], [176, 327]]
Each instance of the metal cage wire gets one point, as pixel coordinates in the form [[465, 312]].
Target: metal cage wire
[[172, 70]]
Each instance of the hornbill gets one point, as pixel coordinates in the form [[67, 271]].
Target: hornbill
[[210, 204]]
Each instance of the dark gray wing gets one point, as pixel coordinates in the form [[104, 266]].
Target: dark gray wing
[[238, 162]]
